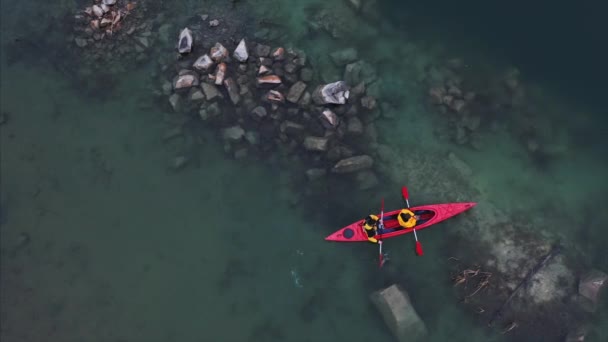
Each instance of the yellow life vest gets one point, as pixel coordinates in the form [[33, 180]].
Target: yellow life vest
[[411, 222], [370, 225]]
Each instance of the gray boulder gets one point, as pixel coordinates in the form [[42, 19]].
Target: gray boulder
[[399, 315], [334, 93], [354, 126], [233, 90], [296, 91], [211, 91]]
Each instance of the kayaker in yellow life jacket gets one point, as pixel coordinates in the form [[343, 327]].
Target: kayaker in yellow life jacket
[[370, 224], [407, 219]]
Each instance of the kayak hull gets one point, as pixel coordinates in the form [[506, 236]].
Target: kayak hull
[[429, 215]]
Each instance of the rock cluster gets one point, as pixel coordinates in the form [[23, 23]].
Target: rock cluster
[[469, 103], [264, 99], [112, 31]]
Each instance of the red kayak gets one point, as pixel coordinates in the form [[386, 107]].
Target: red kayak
[[429, 215]]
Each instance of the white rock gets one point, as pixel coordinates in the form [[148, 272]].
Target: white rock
[[186, 80], [203, 63], [105, 8], [184, 44], [335, 93], [240, 53], [218, 52], [98, 11], [109, 2]]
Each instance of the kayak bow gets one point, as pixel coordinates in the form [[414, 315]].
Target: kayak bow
[[429, 215]]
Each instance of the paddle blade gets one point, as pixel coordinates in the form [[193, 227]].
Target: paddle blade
[[404, 193], [419, 251]]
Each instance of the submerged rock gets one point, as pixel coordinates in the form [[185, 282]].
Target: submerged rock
[[334, 93], [399, 315], [296, 91], [240, 53], [316, 143], [259, 112], [262, 50], [234, 133], [344, 57], [175, 101], [353, 164], [354, 126], [591, 285], [329, 118], [203, 63], [366, 179], [184, 44], [211, 91], [233, 90], [315, 174]]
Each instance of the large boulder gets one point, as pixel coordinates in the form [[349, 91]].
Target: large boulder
[[399, 315], [353, 164], [590, 287], [334, 93]]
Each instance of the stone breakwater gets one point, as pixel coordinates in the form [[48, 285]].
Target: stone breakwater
[[263, 99]]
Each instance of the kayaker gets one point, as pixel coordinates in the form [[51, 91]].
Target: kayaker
[[370, 224], [407, 219]]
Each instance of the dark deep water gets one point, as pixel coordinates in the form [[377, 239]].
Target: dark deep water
[[559, 43], [101, 243]]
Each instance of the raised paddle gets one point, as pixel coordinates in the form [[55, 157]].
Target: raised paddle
[[380, 228], [407, 202]]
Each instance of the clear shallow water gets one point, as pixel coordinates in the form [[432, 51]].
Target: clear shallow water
[[122, 250]]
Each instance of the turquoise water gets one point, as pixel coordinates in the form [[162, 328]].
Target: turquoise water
[[120, 247]]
